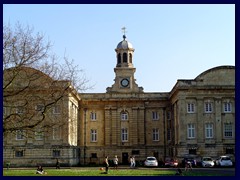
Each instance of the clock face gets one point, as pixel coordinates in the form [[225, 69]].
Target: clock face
[[125, 82]]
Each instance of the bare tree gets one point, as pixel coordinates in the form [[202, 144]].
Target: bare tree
[[33, 75]]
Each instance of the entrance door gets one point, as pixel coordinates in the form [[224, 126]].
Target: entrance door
[[125, 158]]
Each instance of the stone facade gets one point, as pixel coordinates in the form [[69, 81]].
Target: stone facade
[[196, 118], [53, 133], [212, 97]]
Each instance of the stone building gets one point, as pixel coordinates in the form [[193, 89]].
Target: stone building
[[197, 118], [203, 112], [39, 119]]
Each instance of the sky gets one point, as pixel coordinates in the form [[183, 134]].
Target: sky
[[171, 41]]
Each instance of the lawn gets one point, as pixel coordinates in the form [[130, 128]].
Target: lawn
[[97, 172]]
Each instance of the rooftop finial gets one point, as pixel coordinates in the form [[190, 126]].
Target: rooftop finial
[[124, 31]]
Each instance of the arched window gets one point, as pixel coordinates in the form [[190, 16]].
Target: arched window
[[130, 58], [119, 58], [124, 115], [125, 57]]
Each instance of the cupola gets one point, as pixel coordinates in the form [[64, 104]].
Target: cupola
[[124, 53]]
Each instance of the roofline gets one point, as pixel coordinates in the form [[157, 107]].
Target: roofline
[[215, 68]]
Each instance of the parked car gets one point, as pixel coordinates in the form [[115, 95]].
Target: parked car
[[207, 162], [171, 162], [191, 160], [151, 162], [224, 161], [232, 157]]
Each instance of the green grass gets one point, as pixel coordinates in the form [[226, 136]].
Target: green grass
[[97, 172]]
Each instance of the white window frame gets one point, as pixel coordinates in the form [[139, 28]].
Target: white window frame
[[190, 108], [228, 130], [155, 134], [93, 135], [155, 115], [191, 131], [227, 107], [39, 135], [124, 134], [20, 134], [124, 116], [209, 130], [208, 107], [93, 116]]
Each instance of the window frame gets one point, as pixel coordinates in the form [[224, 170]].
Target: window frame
[[56, 153], [93, 135], [93, 116], [19, 153], [124, 134], [209, 131], [39, 135], [228, 129], [124, 116], [190, 108], [155, 134], [208, 107], [191, 134], [20, 134], [227, 107], [155, 115]]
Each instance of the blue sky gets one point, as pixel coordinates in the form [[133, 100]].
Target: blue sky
[[171, 41]]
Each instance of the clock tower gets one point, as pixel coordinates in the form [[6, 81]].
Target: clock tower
[[124, 70]]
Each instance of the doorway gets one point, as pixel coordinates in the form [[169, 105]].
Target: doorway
[[125, 158]]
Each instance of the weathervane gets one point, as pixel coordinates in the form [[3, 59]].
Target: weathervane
[[124, 32]]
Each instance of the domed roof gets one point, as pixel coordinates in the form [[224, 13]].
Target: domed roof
[[124, 44]]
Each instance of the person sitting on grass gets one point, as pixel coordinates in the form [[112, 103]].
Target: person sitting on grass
[[39, 170]]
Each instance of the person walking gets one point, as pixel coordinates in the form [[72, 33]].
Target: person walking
[[133, 162], [115, 162], [188, 165], [57, 164], [106, 164]]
